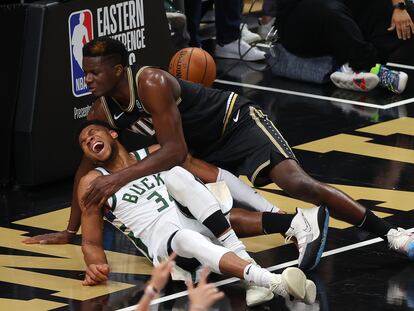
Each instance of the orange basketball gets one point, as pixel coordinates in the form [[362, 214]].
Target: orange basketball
[[193, 64]]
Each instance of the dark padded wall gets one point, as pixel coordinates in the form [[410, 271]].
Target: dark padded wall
[[11, 32], [48, 112]]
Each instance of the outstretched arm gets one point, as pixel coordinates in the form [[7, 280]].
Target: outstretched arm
[[158, 91], [66, 236], [97, 270]]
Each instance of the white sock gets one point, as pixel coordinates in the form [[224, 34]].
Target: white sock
[[257, 275], [230, 241], [245, 194]]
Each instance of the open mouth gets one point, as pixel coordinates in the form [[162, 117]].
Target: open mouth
[[97, 146]]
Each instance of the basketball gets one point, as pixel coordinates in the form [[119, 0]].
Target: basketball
[[195, 65]]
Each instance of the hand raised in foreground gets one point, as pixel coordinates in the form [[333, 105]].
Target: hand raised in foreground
[[161, 273], [204, 295]]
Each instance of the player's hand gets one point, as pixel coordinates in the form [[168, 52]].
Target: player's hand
[[204, 295], [401, 22], [96, 274], [62, 237], [100, 189]]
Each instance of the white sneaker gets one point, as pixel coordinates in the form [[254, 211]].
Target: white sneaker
[[264, 29], [401, 241], [310, 292], [393, 80], [346, 78], [256, 295], [292, 282], [248, 36], [309, 227], [231, 50]]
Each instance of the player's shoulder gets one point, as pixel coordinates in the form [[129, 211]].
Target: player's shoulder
[[88, 178]]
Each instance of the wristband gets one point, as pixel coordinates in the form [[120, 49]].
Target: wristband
[[70, 231], [150, 291], [197, 307]]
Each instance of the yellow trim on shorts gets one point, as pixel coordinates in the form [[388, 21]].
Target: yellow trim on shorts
[[263, 128], [229, 111], [257, 171]]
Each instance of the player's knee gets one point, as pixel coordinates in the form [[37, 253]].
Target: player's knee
[[305, 187], [184, 241], [178, 179]]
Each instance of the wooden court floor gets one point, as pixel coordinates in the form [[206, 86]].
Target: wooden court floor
[[361, 143]]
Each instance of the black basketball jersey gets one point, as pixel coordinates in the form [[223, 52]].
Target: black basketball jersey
[[205, 112]]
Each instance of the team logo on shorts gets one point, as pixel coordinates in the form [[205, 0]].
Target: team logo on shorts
[[80, 33]]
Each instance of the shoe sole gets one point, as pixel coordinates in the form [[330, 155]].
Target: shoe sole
[[348, 83], [314, 250], [310, 295], [267, 298], [410, 251], [294, 280]]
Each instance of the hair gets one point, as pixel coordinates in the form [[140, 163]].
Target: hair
[[86, 123], [109, 49]]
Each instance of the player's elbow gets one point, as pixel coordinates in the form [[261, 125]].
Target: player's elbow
[[179, 154]]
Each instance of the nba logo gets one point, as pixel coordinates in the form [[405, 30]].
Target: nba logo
[[80, 33]]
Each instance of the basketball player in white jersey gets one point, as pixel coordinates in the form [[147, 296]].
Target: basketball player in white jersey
[[145, 206]]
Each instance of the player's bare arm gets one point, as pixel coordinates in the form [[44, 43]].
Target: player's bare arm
[[97, 270], [158, 91], [66, 236]]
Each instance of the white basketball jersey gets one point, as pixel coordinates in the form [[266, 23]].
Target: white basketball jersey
[[146, 208]]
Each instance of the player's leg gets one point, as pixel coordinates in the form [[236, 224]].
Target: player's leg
[[189, 244], [194, 196], [295, 181], [241, 192], [201, 204], [311, 241]]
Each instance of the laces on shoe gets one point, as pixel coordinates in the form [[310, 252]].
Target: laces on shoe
[[398, 238], [277, 287]]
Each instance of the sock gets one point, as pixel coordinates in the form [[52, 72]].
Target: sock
[[374, 224], [257, 275], [230, 241], [276, 223], [245, 194]]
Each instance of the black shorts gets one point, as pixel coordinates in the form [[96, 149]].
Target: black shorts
[[251, 145]]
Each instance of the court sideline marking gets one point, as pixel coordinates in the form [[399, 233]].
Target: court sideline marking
[[303, 94], [272, 268]]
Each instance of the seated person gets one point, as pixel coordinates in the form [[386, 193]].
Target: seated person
[[360, 35], [145, 206]]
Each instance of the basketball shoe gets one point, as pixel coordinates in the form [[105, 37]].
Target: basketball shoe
[[256, 295], [247, 52], [293, 282], [310, 228], [249, 36], [401, 241], [265, 29], [393, 80], [346, 78]]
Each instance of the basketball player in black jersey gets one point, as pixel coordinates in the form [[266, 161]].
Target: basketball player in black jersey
[[216, 126]]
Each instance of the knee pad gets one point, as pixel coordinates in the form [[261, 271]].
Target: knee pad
[[190, 244], [189, 192]]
